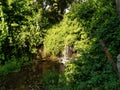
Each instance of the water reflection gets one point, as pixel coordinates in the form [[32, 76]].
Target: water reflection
[[29, 78]]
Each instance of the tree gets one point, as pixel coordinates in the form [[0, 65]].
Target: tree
[[54, 9], [25, 28], [3, 32]]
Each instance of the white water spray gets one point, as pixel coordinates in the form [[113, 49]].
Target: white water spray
[[65, 55]]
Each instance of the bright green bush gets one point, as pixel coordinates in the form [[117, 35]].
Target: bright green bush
[[60, 35]]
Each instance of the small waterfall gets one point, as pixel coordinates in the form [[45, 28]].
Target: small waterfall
[[65, 55], [68, 53]]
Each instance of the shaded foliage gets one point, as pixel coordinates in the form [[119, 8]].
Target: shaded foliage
[[89, 22]]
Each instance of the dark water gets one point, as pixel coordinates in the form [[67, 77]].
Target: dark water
[[29, 78]]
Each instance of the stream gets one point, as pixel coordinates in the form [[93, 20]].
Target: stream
[[29, 78]]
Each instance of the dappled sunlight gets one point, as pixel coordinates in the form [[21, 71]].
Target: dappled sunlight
[[56, 45]]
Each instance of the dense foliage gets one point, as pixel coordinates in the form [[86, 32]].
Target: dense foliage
[[84, 26], [22, 29], [26, 24], [60, 35]]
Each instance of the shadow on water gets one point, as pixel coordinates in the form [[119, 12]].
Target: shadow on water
[[29, 78]]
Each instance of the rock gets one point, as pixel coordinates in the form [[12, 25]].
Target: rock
[[118, 63]]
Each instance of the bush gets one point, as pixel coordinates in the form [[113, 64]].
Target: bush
[[10, 66]]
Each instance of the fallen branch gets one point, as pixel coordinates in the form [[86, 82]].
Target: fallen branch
[[109, 57]]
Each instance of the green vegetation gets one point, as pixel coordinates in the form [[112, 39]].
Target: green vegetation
[[26, 24]]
